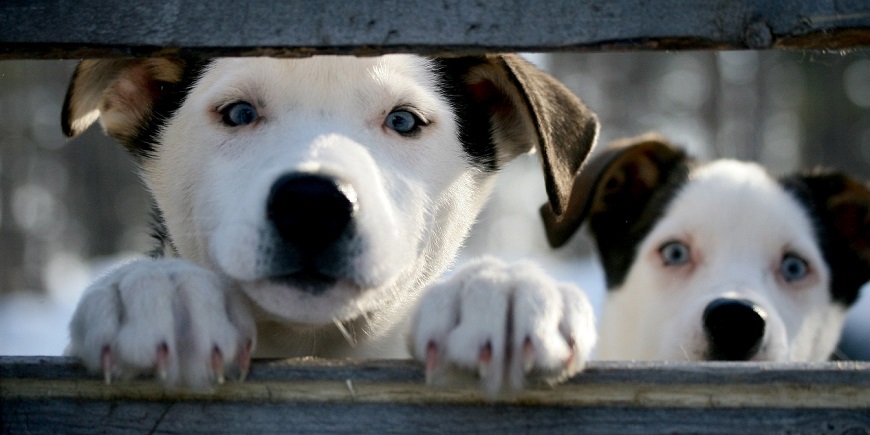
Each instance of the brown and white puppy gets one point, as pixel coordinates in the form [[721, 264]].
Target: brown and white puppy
[[718, 260], [304, 205]]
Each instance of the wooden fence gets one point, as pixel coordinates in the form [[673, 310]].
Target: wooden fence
[[72, 29], [55, 395]]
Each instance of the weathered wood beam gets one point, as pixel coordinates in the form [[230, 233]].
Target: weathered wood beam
[[74, 29], [42, 394]]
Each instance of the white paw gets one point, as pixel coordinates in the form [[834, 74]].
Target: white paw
[[507, 323], [166, 317]]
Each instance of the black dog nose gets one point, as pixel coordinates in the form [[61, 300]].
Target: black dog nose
[[310, 211], [734, 329]]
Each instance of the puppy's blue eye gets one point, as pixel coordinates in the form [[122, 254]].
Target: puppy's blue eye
[[793, 268], [403, 122], [240, 113], [674, 253]]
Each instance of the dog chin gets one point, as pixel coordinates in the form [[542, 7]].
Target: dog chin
[[318, 300]]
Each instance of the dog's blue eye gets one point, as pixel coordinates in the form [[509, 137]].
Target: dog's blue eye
[[793, 268], [403, 122], [240, 113], [674, 253]]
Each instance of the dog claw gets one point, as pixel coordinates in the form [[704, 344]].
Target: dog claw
[[244, 360], [217, 365], [486, 353], [528, 355], [431, 360], [162, 361], [484, 359], [106, 364], [569, 363]]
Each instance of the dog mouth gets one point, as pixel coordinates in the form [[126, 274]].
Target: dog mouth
[[307, 281], [306, 297]]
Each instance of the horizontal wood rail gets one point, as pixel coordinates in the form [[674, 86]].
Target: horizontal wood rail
[[73, 29], [54, 395]]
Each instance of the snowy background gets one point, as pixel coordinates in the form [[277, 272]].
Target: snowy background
[[70, 210]]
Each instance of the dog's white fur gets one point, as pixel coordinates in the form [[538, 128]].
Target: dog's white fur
[[417, 199], [338, 123], [472, 307], [738, 222]]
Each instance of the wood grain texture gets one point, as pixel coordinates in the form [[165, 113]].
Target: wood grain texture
[[49, 394], [73, 29]]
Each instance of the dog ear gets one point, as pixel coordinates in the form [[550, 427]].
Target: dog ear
[[529, 108], [617, 182], [120, 93], [841, 205]]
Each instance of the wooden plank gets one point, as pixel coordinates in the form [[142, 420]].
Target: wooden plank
[[47, 394], [87, 417], [72, 29]]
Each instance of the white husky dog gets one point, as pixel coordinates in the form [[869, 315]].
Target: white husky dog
[[304, 206]]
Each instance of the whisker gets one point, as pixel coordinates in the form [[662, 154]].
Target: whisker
[[364, 314], [685, 352], [344, 332]]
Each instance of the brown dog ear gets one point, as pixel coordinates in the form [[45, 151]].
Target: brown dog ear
[[618, 182], [120, 93], [529, 108], [841, 207]]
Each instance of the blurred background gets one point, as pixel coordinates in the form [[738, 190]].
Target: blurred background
[[70, 209]]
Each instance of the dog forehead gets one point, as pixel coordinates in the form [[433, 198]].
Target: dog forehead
[[319, 80], [739, 203]]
